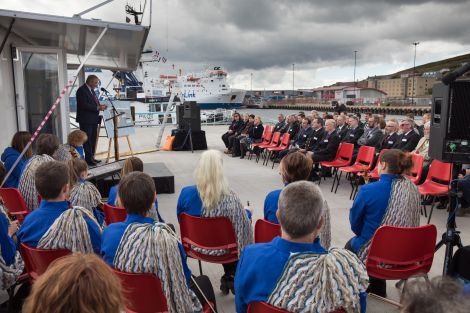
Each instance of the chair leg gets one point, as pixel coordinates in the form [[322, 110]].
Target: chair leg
[[335, 177], [337, 182], [432, 208], [353, 182], [200, 267]]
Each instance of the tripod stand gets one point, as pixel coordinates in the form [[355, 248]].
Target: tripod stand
[[189, 136], [451, 237]]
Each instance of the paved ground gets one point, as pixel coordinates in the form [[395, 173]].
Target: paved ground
[[252, 182]]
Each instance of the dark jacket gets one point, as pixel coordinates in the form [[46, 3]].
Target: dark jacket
[[87, 107], [246, 128], [389, 141], [353, 135], [315, 137], [256, 132], [342, 132], [407, 142], [9, 157], [327, 147], [236, 126], [302, 136], [291, 129], [372, 138], [340, 108], [279, 126]]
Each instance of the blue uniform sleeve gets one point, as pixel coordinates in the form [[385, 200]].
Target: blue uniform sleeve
[[240, 302], [363, 301], [7, 244], [186, 270], [357, 212], [95, 235], [270, 208], [180, 208], [112, 195]]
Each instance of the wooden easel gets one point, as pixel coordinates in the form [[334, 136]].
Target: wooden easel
[[110, 141]]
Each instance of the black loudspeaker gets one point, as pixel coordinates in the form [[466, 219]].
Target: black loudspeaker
[[188, 115], [450, 124], [179, 144]]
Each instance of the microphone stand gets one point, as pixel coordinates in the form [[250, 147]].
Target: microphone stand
[[114, 117]]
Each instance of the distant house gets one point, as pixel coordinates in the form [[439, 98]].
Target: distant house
[[350, 93]]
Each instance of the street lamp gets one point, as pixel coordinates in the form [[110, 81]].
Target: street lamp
[[413, 75], [355, 54], [251, 83], [293, 89]]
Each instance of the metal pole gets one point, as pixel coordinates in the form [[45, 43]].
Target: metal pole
[[4, 41], [251, 84], [355, 54], [293, 81], [79, 15], [413, 75]]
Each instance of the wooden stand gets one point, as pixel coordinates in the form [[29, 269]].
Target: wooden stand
[[116, 150]]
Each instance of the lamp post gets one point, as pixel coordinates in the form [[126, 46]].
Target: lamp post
[[293, 86], [251, 84], [355, 54], [416, 43]]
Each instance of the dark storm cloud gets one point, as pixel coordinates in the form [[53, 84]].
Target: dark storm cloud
[[259, 34]]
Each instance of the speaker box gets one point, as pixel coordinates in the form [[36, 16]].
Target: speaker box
[[450, 124], [188, 115], [199, 140]]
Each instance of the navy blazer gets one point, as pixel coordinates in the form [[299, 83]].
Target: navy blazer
[[353, 135], [326, 149], [87, 108], [407, 142], [389, 141]]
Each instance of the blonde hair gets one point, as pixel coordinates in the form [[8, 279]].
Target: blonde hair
[[76, 137], [78, 283], [210, 180]]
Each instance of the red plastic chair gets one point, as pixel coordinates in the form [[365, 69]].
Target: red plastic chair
[[417, 170], [437, 171], [265, 231], [213, 233], [144, 293], [343, 158], [263, 307], [14, 202], [364, 162], [267, 135], [401, 252], [275, 141], [37, 260], [283, 146], [113, 214], [374, 174]]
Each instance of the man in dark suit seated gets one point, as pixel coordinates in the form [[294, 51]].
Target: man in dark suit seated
[[391, 135], [354, 132], [341, 126], [292, 126], [88, 115], [281, 123], [372, 136], [300, 140], [408, 140], [326, 148]]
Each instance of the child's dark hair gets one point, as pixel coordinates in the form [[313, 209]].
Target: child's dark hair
[[76, 167], [50, 178], [398, 162]]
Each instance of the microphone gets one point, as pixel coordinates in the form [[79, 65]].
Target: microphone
[[104, 90]]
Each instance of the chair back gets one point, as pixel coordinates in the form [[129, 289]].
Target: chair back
[[375, 171], [401, 252], [268, 134], [14, 202], [37, 260], [365, 157], [263, 307], [219, 235], [440, 171], [345, 152], [265, 231], [415, 173], [275, 139], [143, 292], [114, 214], [285, 141]]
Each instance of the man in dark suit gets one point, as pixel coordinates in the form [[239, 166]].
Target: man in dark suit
[[326, 148], [354, 132], [408, 140], [391, 135], [372, 136], [281, 123], [315, 136], [88, 115], [292, 126], [341, 126]]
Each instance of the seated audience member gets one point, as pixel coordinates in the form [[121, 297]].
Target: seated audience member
[[464, 186], [156, 243], [292, 126], [382, 123], [235, 126], [55, 224], [315, 137], [244, 133], [354, 132], [301, 139], [426, 119], [278, 272], [314, 114], [231, 139], [393, 200], [47, 145], [83, 193], [133, 164], [281, 123], [326, 148], [78, 283], [73, 149], [422, 148], [300, 117], [296, 167], [442, 295], [373, 135], [9, 156], [408, 140], [255, 135], [11, 265], [390, 136], [341, 127], [212, 197]]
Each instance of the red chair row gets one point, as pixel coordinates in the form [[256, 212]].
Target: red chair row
[[14, 203]]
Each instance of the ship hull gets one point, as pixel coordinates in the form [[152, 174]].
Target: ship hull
[[231, 100]]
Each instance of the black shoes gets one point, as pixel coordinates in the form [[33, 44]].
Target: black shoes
[[227, 284]]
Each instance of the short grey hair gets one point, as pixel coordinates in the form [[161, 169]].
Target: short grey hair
[[331, 121], [300, 208]]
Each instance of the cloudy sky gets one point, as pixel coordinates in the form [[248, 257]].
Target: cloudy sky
[[265, 37]]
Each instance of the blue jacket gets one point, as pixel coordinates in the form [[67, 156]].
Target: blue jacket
[[112, 236], [113, 193], [270, 206], [189, 202], [369, 209], [7, 244], [261, 265], [9, 157], [38, 222]]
